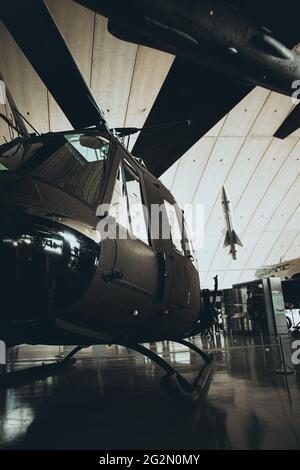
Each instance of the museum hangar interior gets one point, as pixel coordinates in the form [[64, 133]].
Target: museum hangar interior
[[185, 326]]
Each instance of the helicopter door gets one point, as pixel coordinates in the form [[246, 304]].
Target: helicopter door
[[135, 260], [180, 291], [173, 264]]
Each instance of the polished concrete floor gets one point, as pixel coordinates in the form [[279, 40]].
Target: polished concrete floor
[[111, 399]]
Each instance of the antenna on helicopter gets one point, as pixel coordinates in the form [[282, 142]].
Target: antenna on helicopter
[[123, 132], [128, 131]]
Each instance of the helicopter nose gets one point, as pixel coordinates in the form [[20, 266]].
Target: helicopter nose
[[45, 266]]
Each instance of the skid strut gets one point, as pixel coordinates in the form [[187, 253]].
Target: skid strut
[[31, 374], [174, 383]]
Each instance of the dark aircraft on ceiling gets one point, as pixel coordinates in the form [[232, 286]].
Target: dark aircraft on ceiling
[[61, 283], [223, 49]]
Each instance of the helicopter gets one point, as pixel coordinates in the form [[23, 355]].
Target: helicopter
[[80, 264]]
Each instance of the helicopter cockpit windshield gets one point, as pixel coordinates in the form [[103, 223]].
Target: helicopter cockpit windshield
[[73, 162]]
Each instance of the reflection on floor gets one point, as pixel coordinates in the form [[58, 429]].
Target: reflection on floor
[[111, 399]]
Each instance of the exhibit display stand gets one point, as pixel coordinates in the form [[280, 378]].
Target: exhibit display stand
[[276, 320]]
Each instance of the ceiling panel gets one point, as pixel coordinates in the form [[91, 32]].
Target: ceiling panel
[[242, 118], [25, 86], [286, 209], [230, 278], [190, 170], [215, 131], [280, 186], [150, 70], [205, 254], [261, 179], [112, 73], [280, 247], [294, 221], [294, 249], [247, 275], [202, 274], [261, 248], [168, 177], [77, 26], [271, 116], [221, 256], [219, 164], [249, 156]]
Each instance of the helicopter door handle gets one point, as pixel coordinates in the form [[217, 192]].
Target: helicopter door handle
[[163, 275], [110, 276]]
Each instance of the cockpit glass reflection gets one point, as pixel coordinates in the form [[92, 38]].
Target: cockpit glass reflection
[[64, 161]]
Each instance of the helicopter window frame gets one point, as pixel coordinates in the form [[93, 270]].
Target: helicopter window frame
[[123, 167], [175, 242], [190, 251], [34, 164]]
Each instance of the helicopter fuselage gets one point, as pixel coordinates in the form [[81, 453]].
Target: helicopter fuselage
[[61, 278]]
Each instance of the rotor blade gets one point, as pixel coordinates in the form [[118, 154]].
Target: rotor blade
[[189, 93], [35, 31], [290, 124]]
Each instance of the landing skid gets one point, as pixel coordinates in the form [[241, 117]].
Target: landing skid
[[175, 384], [20, 377], [172, 382]]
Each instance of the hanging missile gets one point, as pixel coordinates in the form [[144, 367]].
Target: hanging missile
[[231, 238]]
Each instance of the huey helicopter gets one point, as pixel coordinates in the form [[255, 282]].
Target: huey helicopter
[[65, 283]]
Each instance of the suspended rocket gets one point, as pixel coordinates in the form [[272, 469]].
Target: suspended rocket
[[231, 238]]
